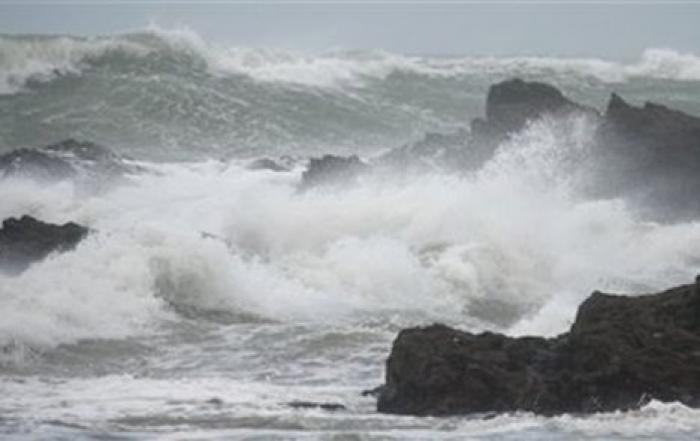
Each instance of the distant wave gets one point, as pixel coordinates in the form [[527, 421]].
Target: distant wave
[[41, 58]]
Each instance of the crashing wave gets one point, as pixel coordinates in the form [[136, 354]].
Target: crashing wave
[[25, 58]]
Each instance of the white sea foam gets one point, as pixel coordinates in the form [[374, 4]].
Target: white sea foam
[[43, 58], [218, 236], [38, 58]]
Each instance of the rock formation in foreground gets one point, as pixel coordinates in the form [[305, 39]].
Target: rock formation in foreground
[[27, 240], [620, 353]]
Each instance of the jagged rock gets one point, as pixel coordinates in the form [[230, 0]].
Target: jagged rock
[[511, 104], [620, 353], [331, 169], [651, 155], [27, 240]]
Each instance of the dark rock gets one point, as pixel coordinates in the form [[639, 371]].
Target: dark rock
[[331, 407], [373, 392], [27, 240], [650, 154], [510, 105], [620, 353], [331, 169]]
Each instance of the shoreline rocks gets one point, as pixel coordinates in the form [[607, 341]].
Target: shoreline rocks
[[27, 240], [63, 160], [510, 106], [620, 353], [651, 155], [332, 170]]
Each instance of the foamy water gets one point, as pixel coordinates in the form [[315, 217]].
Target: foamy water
[[208, 296]]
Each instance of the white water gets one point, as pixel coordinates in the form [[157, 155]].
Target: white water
[[24, 58], [216, 236], [207, 280]]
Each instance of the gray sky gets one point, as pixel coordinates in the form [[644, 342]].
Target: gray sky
[[608, 30]]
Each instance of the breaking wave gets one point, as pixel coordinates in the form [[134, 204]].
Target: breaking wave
[[41, 58], [514, 247]]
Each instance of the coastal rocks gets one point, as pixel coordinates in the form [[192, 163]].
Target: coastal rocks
[[64, 160], [652, 155], [36, 164], [27, 240], [332, 170], [510, 105], [620, 353]]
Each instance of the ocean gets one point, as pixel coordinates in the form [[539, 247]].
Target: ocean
[[210, 296]]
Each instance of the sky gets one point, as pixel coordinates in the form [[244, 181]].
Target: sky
[[593, 28]]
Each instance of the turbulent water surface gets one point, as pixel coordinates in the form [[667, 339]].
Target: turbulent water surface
[[209, 296]]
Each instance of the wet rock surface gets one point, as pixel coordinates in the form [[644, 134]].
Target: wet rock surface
[[620, 353], [510, 105], [332, 170], [26, 240], [650, 154]]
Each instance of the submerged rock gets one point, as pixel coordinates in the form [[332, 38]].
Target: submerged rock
[[620, 353], [331, 407], [27, 240], [332, 169]]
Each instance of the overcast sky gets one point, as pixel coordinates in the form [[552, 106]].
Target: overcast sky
[[603, 29]]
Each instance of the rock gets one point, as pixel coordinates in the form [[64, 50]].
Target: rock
[[511, 104], [651, 154], [620, 353], [65, 160], [27, 240], [331, 407], [36, 164], [331, 169]]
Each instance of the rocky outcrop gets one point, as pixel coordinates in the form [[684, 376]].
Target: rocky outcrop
[[64, 160], [647, 155], [27, 240], [35, 163], [331, 170], [651, 155], [510, 105], [620, 353]]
